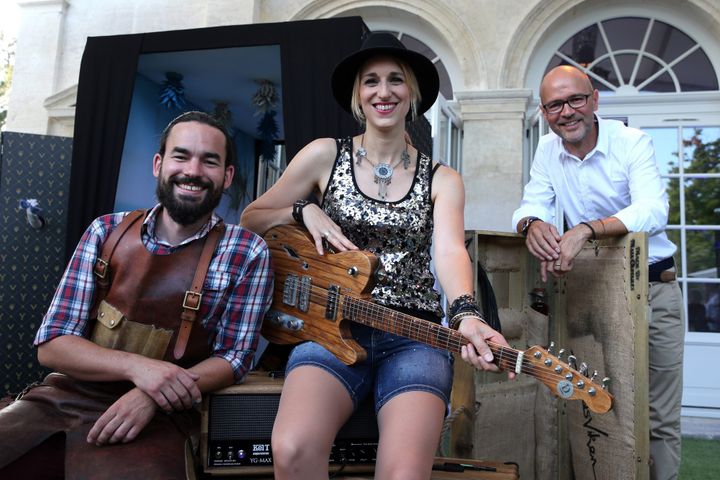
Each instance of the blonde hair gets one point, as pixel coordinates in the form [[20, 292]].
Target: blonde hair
[[410, 81]]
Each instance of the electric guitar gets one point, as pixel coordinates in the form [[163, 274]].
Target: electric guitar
[[316, 298]]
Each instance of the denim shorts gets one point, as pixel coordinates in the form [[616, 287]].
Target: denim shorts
[[393, 365]]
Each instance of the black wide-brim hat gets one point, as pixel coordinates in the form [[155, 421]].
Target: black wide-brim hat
[[343, 77]]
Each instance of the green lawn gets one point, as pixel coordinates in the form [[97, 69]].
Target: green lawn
[[700, 459]]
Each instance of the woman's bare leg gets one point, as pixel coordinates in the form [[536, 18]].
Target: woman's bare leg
[[410, 426], [314, 405]]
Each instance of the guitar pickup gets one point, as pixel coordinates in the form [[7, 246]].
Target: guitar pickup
[[303, 303], [332, 302], [290, 290]]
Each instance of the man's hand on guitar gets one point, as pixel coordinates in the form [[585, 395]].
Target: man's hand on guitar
[[321, 227], [478, 353]]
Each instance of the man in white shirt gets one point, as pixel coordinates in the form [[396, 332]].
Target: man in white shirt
[[604, 177]]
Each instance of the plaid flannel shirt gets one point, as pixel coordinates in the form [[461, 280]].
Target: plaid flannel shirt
[[236, 294]]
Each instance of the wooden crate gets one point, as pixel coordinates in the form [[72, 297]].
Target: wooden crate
[[599, 311]]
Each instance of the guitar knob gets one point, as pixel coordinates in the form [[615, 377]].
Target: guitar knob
[[561, 353], [583, 369], [605, 383], [592, 379], [352, 271], [381, 276], [551, 348]]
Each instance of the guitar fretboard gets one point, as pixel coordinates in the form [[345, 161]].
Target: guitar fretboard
[[429, 333]]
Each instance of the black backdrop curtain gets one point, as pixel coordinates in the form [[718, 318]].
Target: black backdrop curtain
[[309, 50]]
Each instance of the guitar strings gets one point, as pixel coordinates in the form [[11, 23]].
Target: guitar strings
[[506, 356]]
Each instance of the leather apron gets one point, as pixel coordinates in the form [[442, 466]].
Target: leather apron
[[147, 289]]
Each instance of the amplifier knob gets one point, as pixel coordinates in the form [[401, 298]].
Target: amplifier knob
[[241, 454]]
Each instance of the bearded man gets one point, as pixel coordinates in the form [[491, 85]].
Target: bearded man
[[155, 308]]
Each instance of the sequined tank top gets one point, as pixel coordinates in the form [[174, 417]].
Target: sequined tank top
[[399, 233]]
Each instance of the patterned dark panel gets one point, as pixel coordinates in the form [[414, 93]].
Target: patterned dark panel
[[420, 133], [31, 260]]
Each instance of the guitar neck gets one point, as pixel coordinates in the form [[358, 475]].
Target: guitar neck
[[423, 331]]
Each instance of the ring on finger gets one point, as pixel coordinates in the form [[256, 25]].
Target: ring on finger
[[326, 233]]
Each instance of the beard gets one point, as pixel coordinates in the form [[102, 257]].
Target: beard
[[578, 135], [187, 212]]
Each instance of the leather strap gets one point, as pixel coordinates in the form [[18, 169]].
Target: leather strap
[[193, 297], [101, 269]]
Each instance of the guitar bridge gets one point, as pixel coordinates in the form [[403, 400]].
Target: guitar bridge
[[332, 302]]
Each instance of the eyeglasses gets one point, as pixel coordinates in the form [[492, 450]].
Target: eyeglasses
[[575, 102]]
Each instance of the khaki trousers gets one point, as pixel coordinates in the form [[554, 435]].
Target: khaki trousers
[[666, 344]]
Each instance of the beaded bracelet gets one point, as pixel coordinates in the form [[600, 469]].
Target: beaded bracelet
[[455, 321], [459, 302]]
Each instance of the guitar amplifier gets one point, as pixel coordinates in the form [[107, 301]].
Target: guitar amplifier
[[237, 423]]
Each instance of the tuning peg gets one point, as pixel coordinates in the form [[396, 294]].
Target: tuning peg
[[592, 379], [583, 369], [561, 353], [551, 348], [572, 361], [605, 382]]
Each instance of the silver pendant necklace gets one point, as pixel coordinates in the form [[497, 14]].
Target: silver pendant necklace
[[383, 172]]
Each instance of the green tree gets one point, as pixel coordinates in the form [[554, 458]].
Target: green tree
[[7, 59], [702, 201]]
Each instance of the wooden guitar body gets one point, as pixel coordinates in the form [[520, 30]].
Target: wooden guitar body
[[293, 253]]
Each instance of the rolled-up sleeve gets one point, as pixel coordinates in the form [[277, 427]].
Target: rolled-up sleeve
[[648, 209], [250, 297], [70, 307]]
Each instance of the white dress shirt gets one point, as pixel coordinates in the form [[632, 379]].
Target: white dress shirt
[[618, 178]]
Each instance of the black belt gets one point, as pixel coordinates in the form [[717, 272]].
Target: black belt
[[656, 270]]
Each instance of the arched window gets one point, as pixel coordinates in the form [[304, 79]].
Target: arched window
[[638, 55]]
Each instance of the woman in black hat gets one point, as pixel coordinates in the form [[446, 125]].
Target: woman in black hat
[[378, 193]]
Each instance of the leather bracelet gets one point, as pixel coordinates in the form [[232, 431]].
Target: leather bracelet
[[594, 236], [297, 210]]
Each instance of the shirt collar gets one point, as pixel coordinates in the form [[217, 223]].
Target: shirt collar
[[151, 222]]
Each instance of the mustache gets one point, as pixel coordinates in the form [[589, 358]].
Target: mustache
[[191, 180]]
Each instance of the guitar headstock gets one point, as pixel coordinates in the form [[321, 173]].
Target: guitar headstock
[[566, 382]]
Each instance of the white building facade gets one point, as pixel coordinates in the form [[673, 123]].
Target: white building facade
[[656, 62]]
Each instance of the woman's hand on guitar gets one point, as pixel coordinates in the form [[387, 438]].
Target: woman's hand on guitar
[[321, 227], [479, 353]]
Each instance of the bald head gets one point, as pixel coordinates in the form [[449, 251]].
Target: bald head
[[568, 102], [563, 78]]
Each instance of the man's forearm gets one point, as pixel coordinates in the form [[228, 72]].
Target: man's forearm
[[214, 373], [80, 358], [608, 227]]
